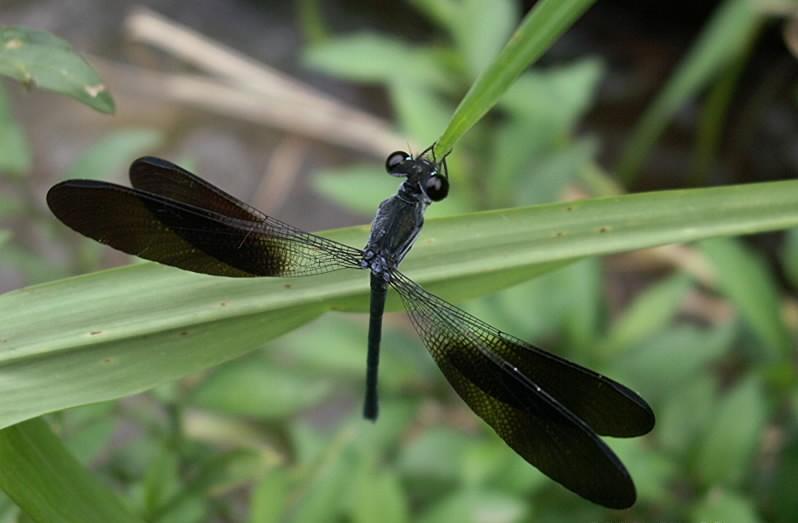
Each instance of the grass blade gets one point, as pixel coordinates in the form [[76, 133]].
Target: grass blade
[[539, 29], [114, 333], [48, 484]]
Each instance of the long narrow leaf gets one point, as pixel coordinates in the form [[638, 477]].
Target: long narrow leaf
[[114, 333], [539, 29], [48, 484], [745, 279]]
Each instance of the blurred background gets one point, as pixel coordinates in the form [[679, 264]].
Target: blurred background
[[293, 106]]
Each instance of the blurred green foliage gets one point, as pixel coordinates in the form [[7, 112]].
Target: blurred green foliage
[[16, 157], [728, 35], [277, 436]]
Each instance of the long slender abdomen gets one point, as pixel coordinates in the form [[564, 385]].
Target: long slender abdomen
[[379, 290]]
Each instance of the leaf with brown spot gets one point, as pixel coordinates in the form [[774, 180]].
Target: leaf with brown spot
[[39, 59]]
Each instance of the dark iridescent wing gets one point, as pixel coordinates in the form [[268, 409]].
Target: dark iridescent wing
[[161, 177], [546, 408], [206, 231]]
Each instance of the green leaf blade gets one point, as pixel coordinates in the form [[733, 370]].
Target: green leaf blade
[[733, 434], [114, 333], [39, 59], [48, 484], [755, 294], [547, 21]]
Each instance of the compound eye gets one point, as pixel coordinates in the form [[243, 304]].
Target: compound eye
[[395, 159], [436, 187]]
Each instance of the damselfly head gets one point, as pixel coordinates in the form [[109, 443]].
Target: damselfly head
[[420, 172], [394, 161], [436, 187]]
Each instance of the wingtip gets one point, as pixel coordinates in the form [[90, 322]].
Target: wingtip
[[151, 162]]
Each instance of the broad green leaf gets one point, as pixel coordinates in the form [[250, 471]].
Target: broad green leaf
[[369, 57], [745, 279], [733, 434], [39, 59], [722, 39], [726, 506], [118, 332], [15, 154], [113, 152], [48, 484], [537, 32], [647, 315], [255, 388]]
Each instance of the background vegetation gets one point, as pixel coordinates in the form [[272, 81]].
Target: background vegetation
[[706, 332]]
